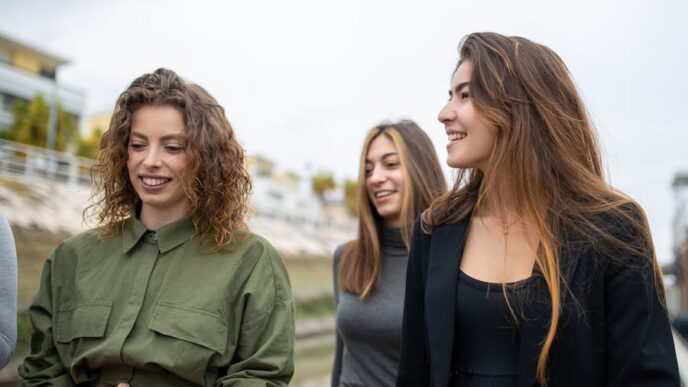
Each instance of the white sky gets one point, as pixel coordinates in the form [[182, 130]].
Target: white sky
[[302, 81]]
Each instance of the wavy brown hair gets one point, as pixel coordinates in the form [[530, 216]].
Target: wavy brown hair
[[361, 262], [546, 156], [215, 180]]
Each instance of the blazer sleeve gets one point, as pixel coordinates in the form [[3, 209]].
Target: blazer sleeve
[[414, 369], [640, 348]]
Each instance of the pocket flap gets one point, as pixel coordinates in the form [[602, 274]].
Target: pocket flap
[[84, 320], [190, 324]]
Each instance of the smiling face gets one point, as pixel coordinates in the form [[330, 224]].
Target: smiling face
[[156, 158], [385, 179], [470, 139]]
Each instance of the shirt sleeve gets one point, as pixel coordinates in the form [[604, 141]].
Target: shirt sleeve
[[43, 366], [339, 344], [8, 293], [265, 350]]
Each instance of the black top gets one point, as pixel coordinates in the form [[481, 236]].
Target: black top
[[613, 329], [487, 338]]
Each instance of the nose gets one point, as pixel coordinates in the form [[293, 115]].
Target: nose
[[152, 159], [377, 176], [446, 113]]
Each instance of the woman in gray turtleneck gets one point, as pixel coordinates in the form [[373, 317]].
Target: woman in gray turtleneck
[[399, 176]]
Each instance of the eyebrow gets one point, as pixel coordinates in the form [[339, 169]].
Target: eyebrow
[[178, 137], [458, 88], [384, 156]]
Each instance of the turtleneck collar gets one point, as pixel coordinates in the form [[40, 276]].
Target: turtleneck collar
[[392, 243]]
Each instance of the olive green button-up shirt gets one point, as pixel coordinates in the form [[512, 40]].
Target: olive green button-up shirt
[[157, 309]]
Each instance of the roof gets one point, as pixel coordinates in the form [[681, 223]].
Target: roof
[[12, 44]]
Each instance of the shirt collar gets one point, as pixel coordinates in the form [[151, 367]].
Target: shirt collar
[[168, 236]]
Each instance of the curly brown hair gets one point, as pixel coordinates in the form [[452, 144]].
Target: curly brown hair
[[215, 180]]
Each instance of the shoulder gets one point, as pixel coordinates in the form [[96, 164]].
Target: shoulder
[[5, 229], [338, 252], [85, 240], [7, 246], [86, 243], [423, 232], [253, 247], [259, 259]]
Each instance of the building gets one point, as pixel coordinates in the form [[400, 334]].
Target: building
[[27, 71], [680, 237]]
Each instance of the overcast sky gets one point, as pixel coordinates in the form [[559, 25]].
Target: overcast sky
[[302, 81]]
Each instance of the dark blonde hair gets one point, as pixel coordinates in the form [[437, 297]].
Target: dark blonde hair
[[361, 261], [215, 180], [546, 154]]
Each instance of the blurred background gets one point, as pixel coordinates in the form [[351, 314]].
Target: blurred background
[[302, 82]]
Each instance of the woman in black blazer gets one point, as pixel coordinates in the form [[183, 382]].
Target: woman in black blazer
[[532, 270]]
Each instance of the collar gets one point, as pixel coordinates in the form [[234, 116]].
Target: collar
[[168, 236]]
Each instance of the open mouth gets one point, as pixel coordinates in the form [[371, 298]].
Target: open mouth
[[456, 136], [383, 194], [155, 181]]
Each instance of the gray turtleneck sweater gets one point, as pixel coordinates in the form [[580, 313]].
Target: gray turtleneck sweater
[[369, 330]]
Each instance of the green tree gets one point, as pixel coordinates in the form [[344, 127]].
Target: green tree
[[264, 166], [351, 196], [88, 147], [30, 125], [322, 182]]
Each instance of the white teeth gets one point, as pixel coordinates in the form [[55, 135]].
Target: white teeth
[[456, 136], [153, 181], [382, 194]]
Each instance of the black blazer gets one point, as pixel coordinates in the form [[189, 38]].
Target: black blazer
[[614, 331]]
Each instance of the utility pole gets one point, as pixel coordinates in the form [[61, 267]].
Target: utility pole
[[52, 119]]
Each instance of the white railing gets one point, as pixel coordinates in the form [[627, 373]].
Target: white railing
[[31, 161]]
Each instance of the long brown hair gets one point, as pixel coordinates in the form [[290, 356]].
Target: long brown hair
[[215, 181], [361, 261], [546, 156]]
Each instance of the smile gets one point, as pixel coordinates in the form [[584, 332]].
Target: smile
[[154, 181], [383, 194], [456, 136]]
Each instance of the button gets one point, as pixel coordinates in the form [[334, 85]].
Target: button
[[153, 236]]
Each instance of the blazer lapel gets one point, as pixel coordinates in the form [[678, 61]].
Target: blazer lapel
[[446, 250]]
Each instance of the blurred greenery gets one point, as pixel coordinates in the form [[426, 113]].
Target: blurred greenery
[[88, 147], [322, 182], [350, 196], [30, 125]]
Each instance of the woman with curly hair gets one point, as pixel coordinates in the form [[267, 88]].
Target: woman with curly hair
[[399, 176], [170, 289], [532, 270]]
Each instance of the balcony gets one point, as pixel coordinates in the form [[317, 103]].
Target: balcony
[[22, 84]]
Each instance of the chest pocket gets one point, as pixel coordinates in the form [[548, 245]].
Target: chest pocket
[[190, 324], [86, 320]]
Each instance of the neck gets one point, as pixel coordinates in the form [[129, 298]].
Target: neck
[[498, 203], [154, 218]]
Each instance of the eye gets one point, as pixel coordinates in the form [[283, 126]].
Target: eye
[[368, 172], [137, 145], [174, 148], [392, 164], [465, 95]]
